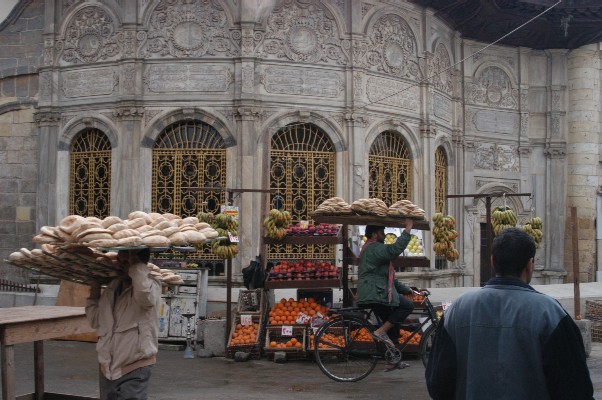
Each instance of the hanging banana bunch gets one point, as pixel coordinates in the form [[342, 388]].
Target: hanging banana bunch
[[534, 227], [502, 217], [445, 236], [223, 224], [276, 223]]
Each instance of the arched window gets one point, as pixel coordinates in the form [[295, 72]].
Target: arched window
[[90, 176], [302, 176], [440, 181], [188, 156], [390, 168]]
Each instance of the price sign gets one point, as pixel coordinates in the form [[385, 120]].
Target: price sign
[[233, 239], [287, 330], [303, 318], [246, 320], [230, 210]]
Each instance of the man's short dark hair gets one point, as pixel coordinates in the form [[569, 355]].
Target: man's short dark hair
[[144, 255], [511, 250], [370, 229]]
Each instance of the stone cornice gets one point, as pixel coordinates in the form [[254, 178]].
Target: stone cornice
[[47, 118]]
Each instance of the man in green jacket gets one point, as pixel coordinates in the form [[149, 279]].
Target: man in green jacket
[[377, 287]]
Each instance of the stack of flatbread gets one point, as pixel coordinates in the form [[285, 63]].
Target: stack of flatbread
[[80, 264], [139, 229], [334, 206], [370, 207], [405, 208]]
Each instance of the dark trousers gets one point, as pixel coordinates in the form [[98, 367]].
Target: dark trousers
[[132, 386], [395, 315]]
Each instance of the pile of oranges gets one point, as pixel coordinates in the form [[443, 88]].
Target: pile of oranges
[[244, 335], [292, 343], [403, 335], [337, 340], [287, 311]]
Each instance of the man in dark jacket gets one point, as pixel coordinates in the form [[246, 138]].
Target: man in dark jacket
[[506, 340], [377, 287]]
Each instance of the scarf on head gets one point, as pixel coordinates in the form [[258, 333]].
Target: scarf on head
[[391, 271]]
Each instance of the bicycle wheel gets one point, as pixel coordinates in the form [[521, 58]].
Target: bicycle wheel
[[345, 350], [426, 343]]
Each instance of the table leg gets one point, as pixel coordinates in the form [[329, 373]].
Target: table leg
[[8, 371], [38, 369]]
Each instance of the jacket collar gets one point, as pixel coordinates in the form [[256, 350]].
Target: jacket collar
[[505, 280]]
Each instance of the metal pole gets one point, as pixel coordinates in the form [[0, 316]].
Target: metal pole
[[575, 234]]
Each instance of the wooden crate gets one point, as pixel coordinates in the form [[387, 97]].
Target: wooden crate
[[252, 302], [253, 348], [274, 334]]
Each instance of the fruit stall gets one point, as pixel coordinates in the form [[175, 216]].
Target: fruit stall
[[288, 325]]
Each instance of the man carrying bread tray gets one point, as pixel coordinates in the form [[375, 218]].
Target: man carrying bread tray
[[126, 317]]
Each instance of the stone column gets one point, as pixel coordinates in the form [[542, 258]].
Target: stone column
[[127, 178], [48, 122], [583, 154], [358, 160]]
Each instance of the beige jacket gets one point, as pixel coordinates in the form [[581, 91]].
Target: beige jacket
[[127, 327]]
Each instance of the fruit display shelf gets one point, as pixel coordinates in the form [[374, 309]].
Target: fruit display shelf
[[303, 284], [301, 238], [420, 224]]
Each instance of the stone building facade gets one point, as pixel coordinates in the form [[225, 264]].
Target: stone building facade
[[506, 120]]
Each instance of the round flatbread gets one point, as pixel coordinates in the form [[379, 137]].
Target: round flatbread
[[95, 236], [155, 241], [117, 227], [71, 223], [135, 223], [191, 220], [131, 241], [49, 231], [170, 231], [110, 220], [170, 216], [125, 233], [103, 243], [45, 239], [178, 239], [137, 214], [164, 225], [194, 237], [80, 237]]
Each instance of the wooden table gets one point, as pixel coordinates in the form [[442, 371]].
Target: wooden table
[[36, 324]]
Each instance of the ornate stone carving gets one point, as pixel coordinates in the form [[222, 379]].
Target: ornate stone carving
[[442, 107], [492, 156], [69, 3], [248, 78], [89, 37], [393, 93], [316, 83], [48, 52], [131, 112], [524, 151], [493, 88], [555, 125], [47, 118], [304, 31], [479, 183], [185, 28], [524, 123], [357, 119], [129, 41], [149, 114], [556, 100], [524, 99], [45, 85], [365, 8], [358, 84], [391, 48], [440, 73], [166, 78], [91, 82], [483, 54], [66, 118], [555, 150], [129, 79], [494, 121]]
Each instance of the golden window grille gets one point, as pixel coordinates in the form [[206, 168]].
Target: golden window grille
[[440, 181], [302, 176], [90, 174], [188, 156], [390, 168]]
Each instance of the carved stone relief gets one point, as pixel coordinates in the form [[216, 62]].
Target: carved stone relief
[[391, 48], [555, 150], [166, 78], [440, 73], [184, 28], [89, 37], [45, 85], [493, 121], [48, 52], [129, 42], [442, 107], [304, 31], [524, 123], [556, 100], [358, 84], [483, 182], [69, 3], [496, 157], [493, 88], [66, 118], [317, 83], [393, 93], [365, 8], [248, 78], [87, 83], [483, 55], [149, 114], [555, 125], [129, 79]]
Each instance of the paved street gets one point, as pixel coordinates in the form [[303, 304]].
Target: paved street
[[71, 368]]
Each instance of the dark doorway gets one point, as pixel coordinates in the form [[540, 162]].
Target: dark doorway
[[486, 272]]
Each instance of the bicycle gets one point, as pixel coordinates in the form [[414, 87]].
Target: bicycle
[[346, 351]]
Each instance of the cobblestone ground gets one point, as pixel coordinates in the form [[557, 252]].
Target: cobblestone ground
[[71, 368]]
